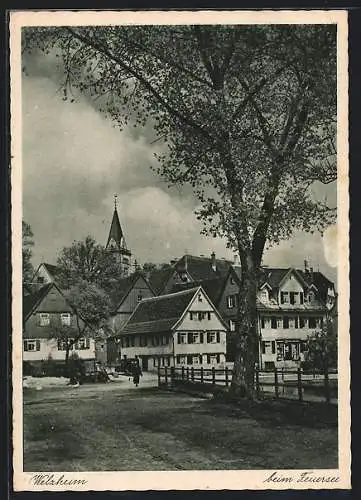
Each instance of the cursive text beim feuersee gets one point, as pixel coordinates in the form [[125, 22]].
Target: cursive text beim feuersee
[[301, 477], [55, 480]]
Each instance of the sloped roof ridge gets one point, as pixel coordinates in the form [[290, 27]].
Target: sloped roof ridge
[[182, 292]]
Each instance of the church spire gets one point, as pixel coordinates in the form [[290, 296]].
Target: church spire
[[116, 241]]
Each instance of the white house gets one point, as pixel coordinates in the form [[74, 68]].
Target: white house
[[175, 329]]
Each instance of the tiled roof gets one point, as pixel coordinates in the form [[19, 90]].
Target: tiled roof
[[200, 268], [273, 276], [159, 278], [212, 287], [31, 301], [158, 314]]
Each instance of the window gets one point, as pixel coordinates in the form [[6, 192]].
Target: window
[[32, 345], [82, 344], [273, 322], [62, 345], [302, 322], [213, 359], [231, 302], [181, 360], [195, 360], [264, 295], [201, 316], [268, 347], [189, 359], [182, 338], [143, 341], [293, 298], [284, 298], [139, 297], [200, 298], [213, 337], [286, 322], [311, 322], [194, 338], [164, 340], [44, 319], [65, 319], [155, 340], [40, 279], [232, 325]]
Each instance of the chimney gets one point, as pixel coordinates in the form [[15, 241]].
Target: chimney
[[311, 273], [213, 261]]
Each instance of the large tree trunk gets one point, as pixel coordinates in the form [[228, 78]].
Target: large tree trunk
[[246, 342]]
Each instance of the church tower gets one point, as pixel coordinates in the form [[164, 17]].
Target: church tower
[[116, 242]]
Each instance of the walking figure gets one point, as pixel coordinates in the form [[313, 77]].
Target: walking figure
[[137, 373]]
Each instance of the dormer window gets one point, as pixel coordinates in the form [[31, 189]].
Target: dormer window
[[311, 296], [284, 298], [264, 295]]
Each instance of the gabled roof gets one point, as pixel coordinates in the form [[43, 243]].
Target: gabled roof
[[159, 314], [159, 278], [319, 280], [49, 268], [212, 287], [30, 302], [200, 268], [124, 286]]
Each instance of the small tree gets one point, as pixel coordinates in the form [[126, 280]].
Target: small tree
[[321, 348], [87, 261], [92, 308]]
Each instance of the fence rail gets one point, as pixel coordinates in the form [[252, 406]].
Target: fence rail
[[280, 383]]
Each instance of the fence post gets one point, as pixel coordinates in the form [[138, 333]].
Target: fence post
[[158, 374], [201, 374], [277, 394], [299, 384], [187, 372], [258, 389], [183, 372], [226, 372], [327, 386], [213, 375], [166, 375], [192, 374], [172, 376]]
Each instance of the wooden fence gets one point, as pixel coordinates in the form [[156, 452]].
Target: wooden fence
[[279, 383]]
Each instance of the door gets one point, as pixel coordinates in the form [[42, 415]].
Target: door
[[145, 363]]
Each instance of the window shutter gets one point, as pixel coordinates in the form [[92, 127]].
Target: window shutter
[[200, 359], [273, 347], [25, 345], [179, 338], [282, 298], [218, 338], [218, 358], [87, 343], [263, 347], [190, 338], [208, 338], [201, 337], [208, 359], [37, 344]]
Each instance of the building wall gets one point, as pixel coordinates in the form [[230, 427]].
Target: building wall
[[140, 288], [49, 347]]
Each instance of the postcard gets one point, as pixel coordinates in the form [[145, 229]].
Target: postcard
[[180, 272]]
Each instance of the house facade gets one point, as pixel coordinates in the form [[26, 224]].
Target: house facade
[[44, 312], [291, 305], [182, 328]]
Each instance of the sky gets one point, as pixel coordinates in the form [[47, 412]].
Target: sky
[[75, 160]]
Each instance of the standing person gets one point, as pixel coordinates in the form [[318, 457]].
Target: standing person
[[137, 373]]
